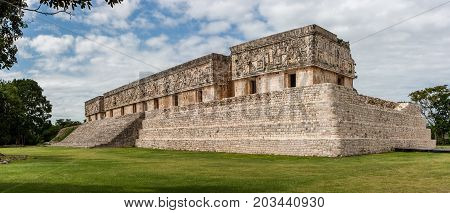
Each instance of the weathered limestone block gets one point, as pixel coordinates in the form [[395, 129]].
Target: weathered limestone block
[[371, 125], [294, 49], [111, 132], [296, 121], [206, 71], [318, 120], [94, 106]]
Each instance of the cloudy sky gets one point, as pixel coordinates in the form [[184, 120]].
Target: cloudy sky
[[79, 57]]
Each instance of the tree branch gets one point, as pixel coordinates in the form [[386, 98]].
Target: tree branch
[[47, 13]]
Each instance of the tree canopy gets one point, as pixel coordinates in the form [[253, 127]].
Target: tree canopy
[[435, 105], [24, 112], [12, 23]]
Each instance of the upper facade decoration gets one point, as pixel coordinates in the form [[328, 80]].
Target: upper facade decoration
[[298, 48]]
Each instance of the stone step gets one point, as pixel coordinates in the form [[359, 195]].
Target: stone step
[[120, 131]]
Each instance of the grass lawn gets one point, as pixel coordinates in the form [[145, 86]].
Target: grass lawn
[[443, 147], [56, 169]]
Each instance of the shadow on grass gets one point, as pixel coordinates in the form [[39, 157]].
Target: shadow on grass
[[195, 189], [56, 188], [79, 188]]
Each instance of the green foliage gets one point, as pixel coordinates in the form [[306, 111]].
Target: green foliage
[[49, 133], [11, 29], [24, 112], [62, 126], [66, 123], [435, 105], [12, 23], [63, 133]]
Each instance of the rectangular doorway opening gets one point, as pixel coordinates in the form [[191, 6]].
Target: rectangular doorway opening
[[200, 96], [252, 86], [292, 80], [175, 100], [155, 103], [340, 80], [144, 106]]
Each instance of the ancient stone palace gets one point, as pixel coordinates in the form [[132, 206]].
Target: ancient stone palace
[[290, 94]]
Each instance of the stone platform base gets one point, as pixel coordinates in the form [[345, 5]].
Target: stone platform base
[[110, 132], [319, 120]]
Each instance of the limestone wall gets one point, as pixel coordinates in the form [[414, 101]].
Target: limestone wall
[[94, 106], [296, 121], [317, 120], [371, 125], [112, 132], [298, 48], [202, 72], [277, 81]]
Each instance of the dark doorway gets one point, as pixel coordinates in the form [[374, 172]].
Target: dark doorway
[[252, 86], [144, 106], [292, 80], [341, 80], [175, 100], [155, 103], [200, 96]]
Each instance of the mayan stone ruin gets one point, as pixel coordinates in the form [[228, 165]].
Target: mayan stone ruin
[[289, 94]]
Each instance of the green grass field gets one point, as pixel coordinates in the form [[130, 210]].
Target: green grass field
[[55, 169]]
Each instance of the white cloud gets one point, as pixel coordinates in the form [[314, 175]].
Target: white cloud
[[141, 23], [168, 21], [158, 41], [215, 27], [23, 44], [117, 17], [51, 45], [9, 75]]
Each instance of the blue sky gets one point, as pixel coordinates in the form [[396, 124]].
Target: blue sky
[[79, 57]]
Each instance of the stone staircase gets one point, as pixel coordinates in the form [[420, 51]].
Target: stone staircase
[[110, 132]]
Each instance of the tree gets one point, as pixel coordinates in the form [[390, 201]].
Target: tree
[[66, 123], [435, 105], [12, 23], [10, 111], [25, 112], [36, 109]]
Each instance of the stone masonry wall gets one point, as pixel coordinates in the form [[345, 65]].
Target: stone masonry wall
[[94, 106], [371, 125], [294, 49], [296, 121], [315, 120], [111, 132], [318, 120], [191, 75]]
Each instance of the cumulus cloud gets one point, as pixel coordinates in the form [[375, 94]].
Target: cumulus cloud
[[215, 27], [51, 45], [7, 75], [158, 41], [116, 17]]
